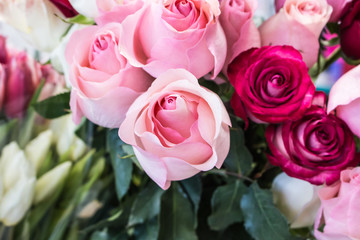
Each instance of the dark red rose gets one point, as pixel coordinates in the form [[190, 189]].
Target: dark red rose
[[271, 84], [314, 148], [65, 7], [350, 30]]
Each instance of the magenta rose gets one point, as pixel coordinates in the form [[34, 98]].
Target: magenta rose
[[240, 30], [350, 30], [271, 84], [338, 217], [104, 84], [315, 148], [163, 35], [177, 128]]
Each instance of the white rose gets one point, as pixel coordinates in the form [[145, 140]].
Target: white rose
[[17, 180], [40, 20], [87, 8], [296, 199]]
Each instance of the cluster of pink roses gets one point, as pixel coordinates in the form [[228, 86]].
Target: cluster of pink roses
[[137, 70], [20, 75]]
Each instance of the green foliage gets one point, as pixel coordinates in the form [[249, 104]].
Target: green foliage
[[176, 215], [239, 159], [146, 205], [262, 219], [122, 166], [80, 19], [225, 206], [54, 107]]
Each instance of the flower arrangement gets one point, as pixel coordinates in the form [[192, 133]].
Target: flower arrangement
[[179, 119]]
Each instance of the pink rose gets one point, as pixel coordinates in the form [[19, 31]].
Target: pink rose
[[315, 148], [103, 83], [271, 84], [298, 24], [337, 5], [116, 11], [344, 98], [240, 30], [177, 128], [175, 34], [338, 217]]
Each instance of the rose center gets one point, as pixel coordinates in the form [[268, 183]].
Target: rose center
[[308, 8], [169, 103], [277, 79]]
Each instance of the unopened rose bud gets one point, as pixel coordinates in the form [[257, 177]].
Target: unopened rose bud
[[296, 199], [37, 150], [65, 7], [50, 181], [3, 50], [65, 139], [19, 86], [350, 30], [2, 84], [17, 184]]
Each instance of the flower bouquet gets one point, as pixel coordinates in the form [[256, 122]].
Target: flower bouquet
[[179, 119]]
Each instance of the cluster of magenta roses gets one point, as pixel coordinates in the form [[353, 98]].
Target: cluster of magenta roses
[[137, 69]]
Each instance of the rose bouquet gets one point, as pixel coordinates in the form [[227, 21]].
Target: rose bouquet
[[180, 119]]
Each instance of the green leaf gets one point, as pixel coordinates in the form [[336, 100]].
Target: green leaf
[[225, 206], [193, 188], [262, 219], [54, 107], [146, 205], [239, 158], [81, 19], [122, 166], [147, 231], [176, 216], [5, 130]]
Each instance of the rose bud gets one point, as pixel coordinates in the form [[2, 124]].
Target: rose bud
[[177, 128], [19, 85], [48, 183], [350, 30], [315, 148], [338, 216], [2, 85], [87, 8], [17, 182], [65, 7], [3, 50], [344, 98], [271, 84], [241, 33]]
